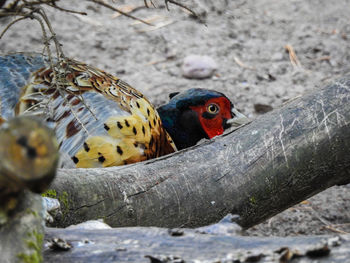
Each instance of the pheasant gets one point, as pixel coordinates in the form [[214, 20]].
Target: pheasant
[[102, 121]]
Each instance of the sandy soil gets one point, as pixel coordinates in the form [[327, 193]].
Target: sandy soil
[[247, 39]]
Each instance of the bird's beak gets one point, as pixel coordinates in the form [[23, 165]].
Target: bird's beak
[[238, 119]]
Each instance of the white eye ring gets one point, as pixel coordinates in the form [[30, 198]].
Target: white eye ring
[[213, 108]]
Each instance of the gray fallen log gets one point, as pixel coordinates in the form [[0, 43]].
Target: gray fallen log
[[278, 160], [157, 245]]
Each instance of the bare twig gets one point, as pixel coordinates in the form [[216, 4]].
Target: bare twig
[[67, 10], [181, 5], [292, 56], [327, 224], [59, 51], [17, 6], [146, 4], [329, 227], [101, 2], [11, 24], [20, 5], [241, 64], [128, 9], [73, 111], [338, 225]]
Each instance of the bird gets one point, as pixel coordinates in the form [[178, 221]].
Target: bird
[[102, 121], [197, 114]]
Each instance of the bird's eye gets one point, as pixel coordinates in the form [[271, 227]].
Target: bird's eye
[[213, 108]]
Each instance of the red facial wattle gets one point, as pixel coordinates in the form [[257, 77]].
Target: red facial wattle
[[213, 126]]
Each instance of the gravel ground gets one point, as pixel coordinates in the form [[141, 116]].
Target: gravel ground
[[248, 41]]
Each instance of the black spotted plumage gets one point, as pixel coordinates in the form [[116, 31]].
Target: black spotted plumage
[[93, 113], [99, 119]]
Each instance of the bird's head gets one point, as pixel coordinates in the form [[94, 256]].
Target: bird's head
[[198, 113]]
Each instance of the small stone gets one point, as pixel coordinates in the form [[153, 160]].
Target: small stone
[[287, 254], [176, 232], [265, 76], [334, 241], [165, 259], [226, 226], [262, 108], [198, 67], [120, 249], [321, 250], [51, 204], [52, 210], [59, 244]]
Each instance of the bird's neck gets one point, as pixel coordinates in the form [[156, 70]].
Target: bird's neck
[[183, 127]]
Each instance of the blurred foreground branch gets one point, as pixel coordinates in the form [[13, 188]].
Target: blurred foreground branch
[[29, 158]]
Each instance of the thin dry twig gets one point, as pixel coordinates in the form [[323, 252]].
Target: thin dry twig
[[181, 5], [101, 2], [327, 224], [52, 3], [67, 10], [241, 64], [11, 24], [292, 56], [344, 224], [157, 26], [146, 4], [324, 58], [193, 13], [335, 230], [17, 6], [58, 45], [59, 76], [127, 9]]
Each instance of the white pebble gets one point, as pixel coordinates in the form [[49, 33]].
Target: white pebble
[[198, 67], [51, 204]]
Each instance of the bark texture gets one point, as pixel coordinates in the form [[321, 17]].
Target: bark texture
[[158, 245], [21, 237], [276, 161]]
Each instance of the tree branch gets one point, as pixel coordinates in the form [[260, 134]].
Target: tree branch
[[280, 159]]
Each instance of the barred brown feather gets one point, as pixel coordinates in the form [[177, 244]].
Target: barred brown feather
[[99, 119]]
